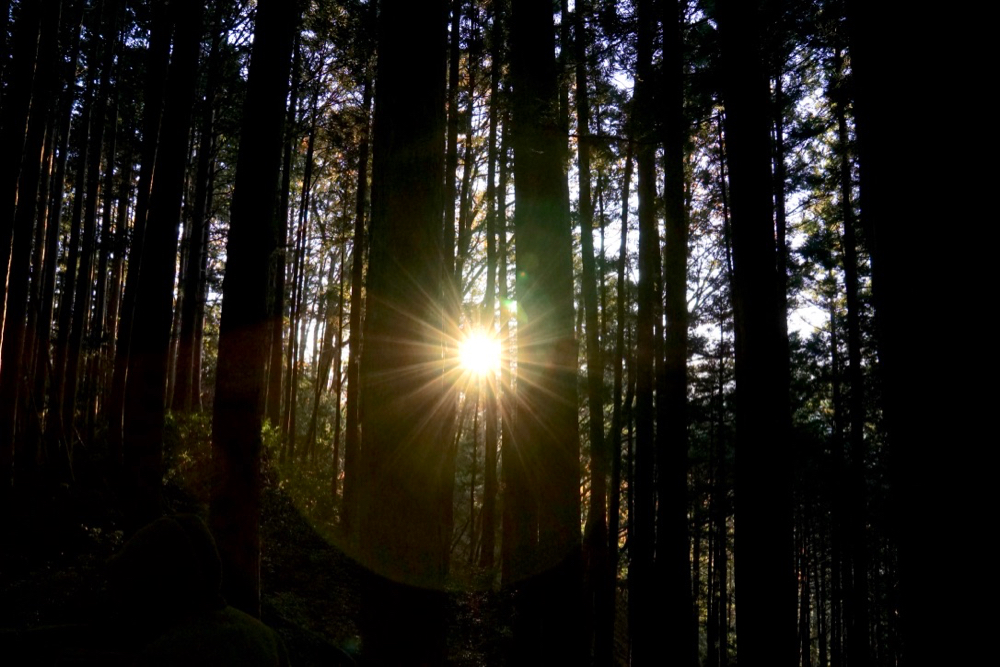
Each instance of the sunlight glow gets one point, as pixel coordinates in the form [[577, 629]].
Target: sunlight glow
[[479, 353]]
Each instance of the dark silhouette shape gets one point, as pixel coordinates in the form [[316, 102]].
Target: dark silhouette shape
[[167, 580]]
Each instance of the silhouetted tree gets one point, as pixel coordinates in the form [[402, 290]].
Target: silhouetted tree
[[545, 454], [237, 416], [402, 537]]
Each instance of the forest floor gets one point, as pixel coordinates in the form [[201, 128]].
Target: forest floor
[[310, 588]]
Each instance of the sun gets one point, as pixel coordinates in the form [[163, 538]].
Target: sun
[[479, 353]]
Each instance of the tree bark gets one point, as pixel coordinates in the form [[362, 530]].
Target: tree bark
[[641, 565], [15, 460], [596, 534], [352, 435], [156, 75], [185, 398], [764, 547], [403, 540], [491, 392], [145, 399], [239, 391], [546, 431], [673, 559]]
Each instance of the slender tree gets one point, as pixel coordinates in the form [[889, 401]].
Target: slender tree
[[237, 415], [491, 394], [642, 522], [546, 438], [16, 292], [672, 547], [187, 396], [352, 435], [146, 400]]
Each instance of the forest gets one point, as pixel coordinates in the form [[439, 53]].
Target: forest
[[477, 332]]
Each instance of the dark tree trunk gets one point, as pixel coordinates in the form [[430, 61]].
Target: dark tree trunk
[[451, 156], [118, 262], [766, 570], [858, 641], [596, 536], [17, 89], [452, 292], [673, 560], [58, 424], [34, 345], [327, 353], [508, 405], [97, 335], [82, 299], [491, 393], [276, 294], [15, 465], [185, 399], [338, 377], [402, 526], [41, 361], [145, 399], [546, 431], [352, 436], [296, 321], [841, 596], [901, 236], [237, 416], [642, 623], [605, 632], [156, 75]]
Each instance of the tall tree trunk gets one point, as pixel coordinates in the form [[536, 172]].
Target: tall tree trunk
[[327, 352], [296, 321], [145, 398], [402, 527], [546, 431], [352, 436], [85, 278], [42, 357], [94, 379], [596, 535], [18, 80], [451, 312], [673, 559], [641, 574], [193, 281], [237, 415], [34, 346], [900, 237], [278, 301], [859, 646], [604, 640], [451, 155], [57, 430], [767, 621], [16, 464], [154, 95], [508, 405], [491, 393], [805, 634], [841, 595], [118, 263], [338, 377]]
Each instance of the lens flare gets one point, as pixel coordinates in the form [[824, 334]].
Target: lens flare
[[479, 353]]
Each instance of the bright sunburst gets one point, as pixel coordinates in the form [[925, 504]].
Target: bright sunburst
[[479, 353]]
